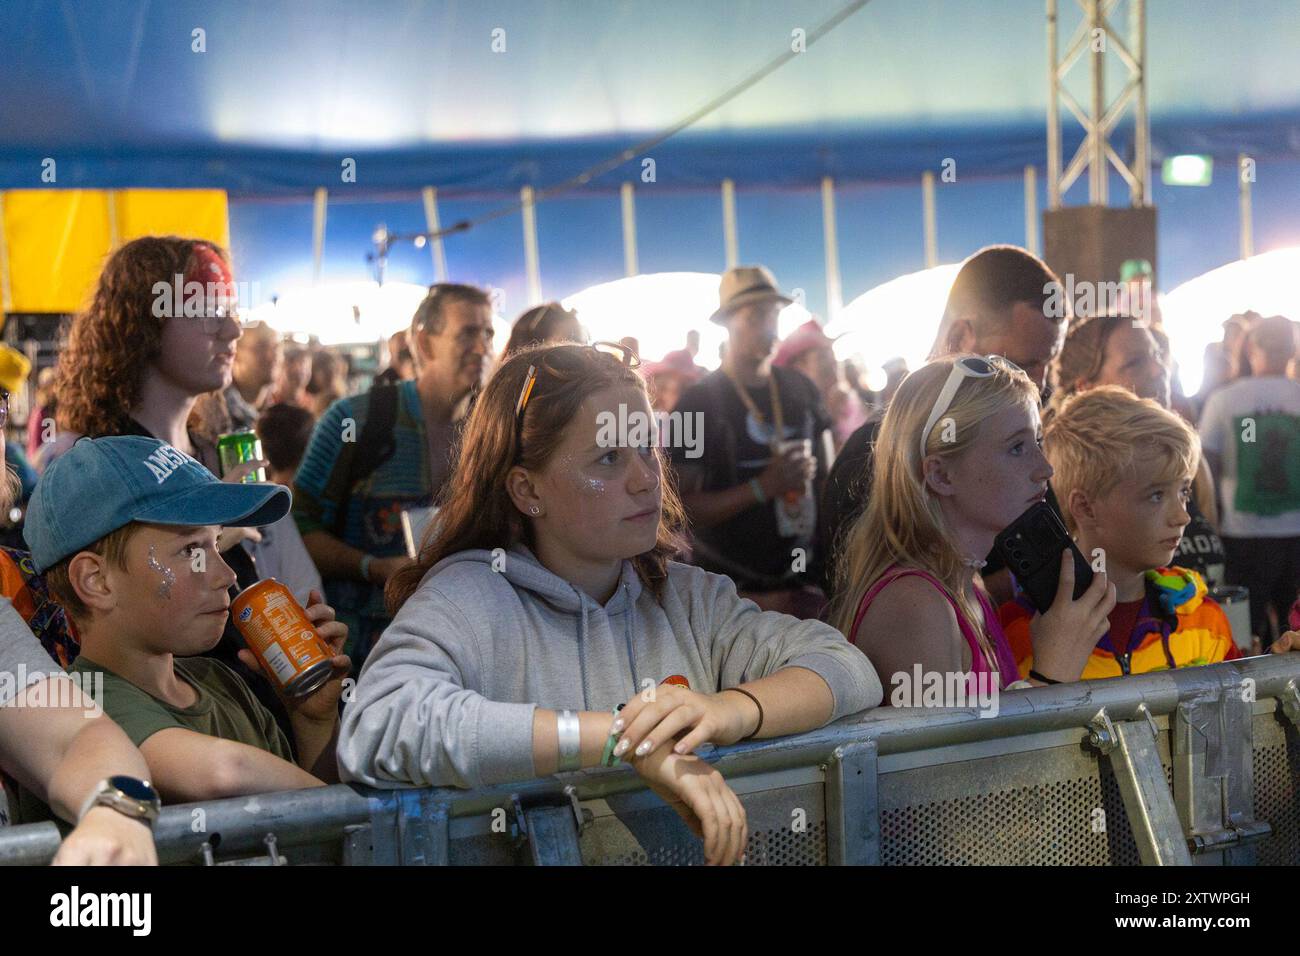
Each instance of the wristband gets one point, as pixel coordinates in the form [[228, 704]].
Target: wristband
[[607, 758], [760, 712], [1037, 676], [568, 730], [757, 489], [365, 566]]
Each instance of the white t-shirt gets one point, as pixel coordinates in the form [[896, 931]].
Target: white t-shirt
[[281, 554], [1253, 426]]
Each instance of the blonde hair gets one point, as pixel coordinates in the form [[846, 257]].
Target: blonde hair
[[902, 523], [1096, 438], [111, 547]]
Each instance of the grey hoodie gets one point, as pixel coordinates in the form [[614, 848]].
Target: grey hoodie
[[446, 697]]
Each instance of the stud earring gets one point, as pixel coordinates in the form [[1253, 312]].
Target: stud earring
[[534, 511]]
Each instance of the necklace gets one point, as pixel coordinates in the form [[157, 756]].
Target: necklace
[[778, 429]]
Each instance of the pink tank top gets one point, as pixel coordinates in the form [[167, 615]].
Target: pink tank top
[[1008, 672]]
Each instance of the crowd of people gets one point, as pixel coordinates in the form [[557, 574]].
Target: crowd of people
[[517, 589]]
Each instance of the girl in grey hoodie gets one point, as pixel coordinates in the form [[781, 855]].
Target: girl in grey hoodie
[[546, 597]]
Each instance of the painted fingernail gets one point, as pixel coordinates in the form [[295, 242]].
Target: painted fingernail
[[618, 726], [645, 747], [621, 748]]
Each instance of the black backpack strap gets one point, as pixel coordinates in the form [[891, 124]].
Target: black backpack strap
[[375, 445]]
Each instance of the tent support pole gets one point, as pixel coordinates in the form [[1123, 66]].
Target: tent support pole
[[1246, 237], [319, 204], [531, 264], [931, 230], [629, 229], [830, 238], [430, 196], [1031, 210], [729, 238]]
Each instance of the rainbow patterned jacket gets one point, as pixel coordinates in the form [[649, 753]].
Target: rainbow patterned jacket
[[1177, 626]]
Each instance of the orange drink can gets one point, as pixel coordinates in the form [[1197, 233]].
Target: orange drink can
[[277, 631]]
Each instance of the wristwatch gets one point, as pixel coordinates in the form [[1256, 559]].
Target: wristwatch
[[129, 796]]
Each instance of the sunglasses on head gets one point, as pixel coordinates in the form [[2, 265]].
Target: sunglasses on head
[[553, 363], [969, 366]]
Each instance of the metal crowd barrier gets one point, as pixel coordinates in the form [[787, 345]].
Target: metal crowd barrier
[[1198, 765]]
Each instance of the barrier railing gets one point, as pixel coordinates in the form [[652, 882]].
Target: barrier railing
[[1200, 763]]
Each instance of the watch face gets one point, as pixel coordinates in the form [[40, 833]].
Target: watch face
[[134, 788]]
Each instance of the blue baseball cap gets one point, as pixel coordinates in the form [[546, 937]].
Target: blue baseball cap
[[102, 484]]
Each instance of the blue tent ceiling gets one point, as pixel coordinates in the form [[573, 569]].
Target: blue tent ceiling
[[414, 92]]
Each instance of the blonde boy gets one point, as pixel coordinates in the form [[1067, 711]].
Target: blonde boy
[[1123, 469], [125, 528]]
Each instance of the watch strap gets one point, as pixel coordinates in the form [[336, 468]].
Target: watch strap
[[108, 794]]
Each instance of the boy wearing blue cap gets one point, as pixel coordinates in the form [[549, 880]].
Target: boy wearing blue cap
[[125, 529]]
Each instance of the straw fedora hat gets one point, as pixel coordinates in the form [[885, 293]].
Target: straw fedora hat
[[743, 285]]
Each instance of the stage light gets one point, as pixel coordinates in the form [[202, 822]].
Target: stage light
[[659, 309], [876, 378], [343, 313], [897, 319], [1195, 311], [1187, 170]]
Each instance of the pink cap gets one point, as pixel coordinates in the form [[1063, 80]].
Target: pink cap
[[678, 362], [807, 336]]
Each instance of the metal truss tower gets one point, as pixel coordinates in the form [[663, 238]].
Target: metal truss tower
[[1095, 38]]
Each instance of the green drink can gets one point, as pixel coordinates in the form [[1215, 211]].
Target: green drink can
[[238, 447]]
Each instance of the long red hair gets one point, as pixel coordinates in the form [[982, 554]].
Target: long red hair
[[115, 338]]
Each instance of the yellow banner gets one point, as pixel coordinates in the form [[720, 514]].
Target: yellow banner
[[56, 240], [192, 213]]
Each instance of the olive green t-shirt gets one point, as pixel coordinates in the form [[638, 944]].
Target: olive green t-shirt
[[226, 708]]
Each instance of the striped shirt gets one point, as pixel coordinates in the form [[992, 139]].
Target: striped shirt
[[376, 503]]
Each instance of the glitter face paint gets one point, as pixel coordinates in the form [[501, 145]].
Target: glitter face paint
[[567, 466], [167, 574]]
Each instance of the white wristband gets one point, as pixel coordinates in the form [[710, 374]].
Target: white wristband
[[569, 731]]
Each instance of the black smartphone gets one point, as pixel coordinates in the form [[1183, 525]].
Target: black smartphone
[[1031, 546]]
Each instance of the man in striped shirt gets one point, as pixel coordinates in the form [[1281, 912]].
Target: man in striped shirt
[[373, 456]]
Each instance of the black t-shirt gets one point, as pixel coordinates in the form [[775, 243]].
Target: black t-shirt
[[735, 448]]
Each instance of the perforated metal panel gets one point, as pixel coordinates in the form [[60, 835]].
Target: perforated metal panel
[[1058, 806], [1277, 790], [786, 828]]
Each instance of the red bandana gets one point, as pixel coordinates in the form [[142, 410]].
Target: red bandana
[[211, 271]]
